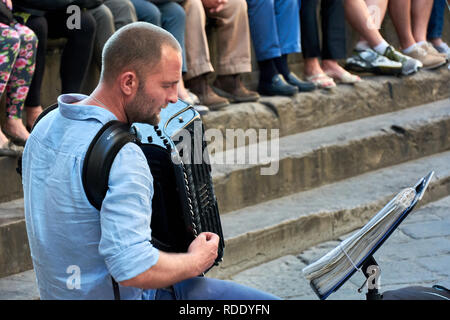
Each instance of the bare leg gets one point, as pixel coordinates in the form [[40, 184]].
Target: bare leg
[[332, 68], [32, 114], [3, 139], [420, 12], [312, 66], [400, 11], [377, 10], [358, 16], [15, 128]]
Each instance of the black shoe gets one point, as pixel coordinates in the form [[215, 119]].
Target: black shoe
[[302, 86], [277, 87]]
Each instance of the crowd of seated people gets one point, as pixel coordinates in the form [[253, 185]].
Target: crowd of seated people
[[274, 28]]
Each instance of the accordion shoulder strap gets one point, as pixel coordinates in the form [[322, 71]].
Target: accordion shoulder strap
[[99, 158]]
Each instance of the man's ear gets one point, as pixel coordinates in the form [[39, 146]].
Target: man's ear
[[129, 83]]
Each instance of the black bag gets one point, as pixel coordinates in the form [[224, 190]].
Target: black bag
[[436, 292], [6, 15]]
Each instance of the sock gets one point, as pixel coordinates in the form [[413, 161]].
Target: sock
[[421, 43], [267, 70], [381, 47], [410, 48], [362, 45], [281, 64], [442, 47]]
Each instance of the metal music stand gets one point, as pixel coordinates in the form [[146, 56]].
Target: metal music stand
[[368, 260]]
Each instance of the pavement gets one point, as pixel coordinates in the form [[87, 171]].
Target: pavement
[[417, 253]]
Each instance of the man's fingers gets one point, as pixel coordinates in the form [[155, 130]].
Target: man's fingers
[[210, 236]]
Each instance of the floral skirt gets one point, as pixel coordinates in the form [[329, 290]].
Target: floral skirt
[[18, 46]]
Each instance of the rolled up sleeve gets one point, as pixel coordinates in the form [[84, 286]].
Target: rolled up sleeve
[[126, 215]]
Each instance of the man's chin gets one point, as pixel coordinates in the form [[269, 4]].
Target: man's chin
[[154, 120]]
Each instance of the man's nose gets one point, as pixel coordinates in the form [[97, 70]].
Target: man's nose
[[173, 95]]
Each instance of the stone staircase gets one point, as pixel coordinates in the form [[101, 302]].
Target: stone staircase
[[342, 155]]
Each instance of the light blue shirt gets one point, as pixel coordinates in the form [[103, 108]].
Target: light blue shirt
[[74, 247]]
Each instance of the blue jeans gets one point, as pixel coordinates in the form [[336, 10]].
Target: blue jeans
[[170, 16], [436, 21], [274, 27], [203, 288]]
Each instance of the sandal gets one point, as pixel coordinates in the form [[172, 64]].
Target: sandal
[[345, 78], [321, 80]]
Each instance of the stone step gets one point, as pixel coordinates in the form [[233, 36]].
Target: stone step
[[307, 160], [304, 112], [10, 184], [20, 286], [320, 108], [293, 223], [310, 159], [14, 249]]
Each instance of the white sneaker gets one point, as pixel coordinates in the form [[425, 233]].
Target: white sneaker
[[369, 60]]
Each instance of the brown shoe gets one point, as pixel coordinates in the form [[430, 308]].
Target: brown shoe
[[231, 87], [200, 87], [431, 50], [429, 60]]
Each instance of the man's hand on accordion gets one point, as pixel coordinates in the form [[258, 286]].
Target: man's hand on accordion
[[175, 267], [204, 248]]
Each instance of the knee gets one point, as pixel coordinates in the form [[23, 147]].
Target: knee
[[176, 14], [148, 12], [10, 39], [88, 24], [39, 27], [237, 5], [101, 14], [194, 6]]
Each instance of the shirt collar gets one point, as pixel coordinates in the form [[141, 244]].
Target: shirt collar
[[82, 112]]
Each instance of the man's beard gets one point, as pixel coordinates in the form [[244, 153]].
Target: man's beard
[[138, 109]]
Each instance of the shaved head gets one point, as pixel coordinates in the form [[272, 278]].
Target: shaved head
[[135, 47]]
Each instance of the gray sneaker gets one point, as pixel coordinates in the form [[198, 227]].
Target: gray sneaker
[[409, 65], [369, 60]]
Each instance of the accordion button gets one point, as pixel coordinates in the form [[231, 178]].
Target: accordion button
[[150, 139]]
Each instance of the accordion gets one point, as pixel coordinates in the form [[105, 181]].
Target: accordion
[[184, 203]]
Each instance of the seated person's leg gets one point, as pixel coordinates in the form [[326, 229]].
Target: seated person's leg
[[123, 12], [77, 53], [147, 11], [33, 105], [233, 49], [264, 35], [19, 80], [197, 57], [105, 29]]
